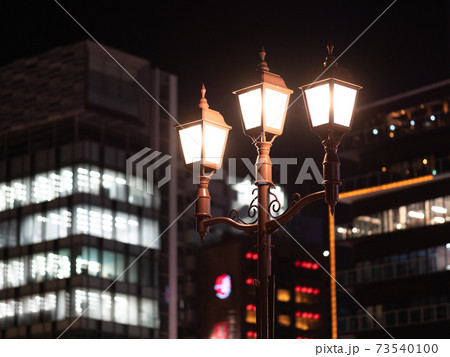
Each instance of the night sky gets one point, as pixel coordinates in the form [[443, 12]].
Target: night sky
[[218, 43]]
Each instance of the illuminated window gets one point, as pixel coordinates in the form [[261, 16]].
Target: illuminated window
[[108, 265], [38, 267], [93, 297], [150, 234], [16, 272], [306, 295], [306, 320], [80, 301], [8, 236], [283, 295], [149, 313], [47, 186], [106, 301], [250, 315], [284, 320], [3, 271]]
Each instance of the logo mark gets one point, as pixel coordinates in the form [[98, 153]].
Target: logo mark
[[143, 160]]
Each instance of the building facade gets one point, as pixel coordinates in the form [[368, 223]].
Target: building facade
[[70, 224], [393, 224]]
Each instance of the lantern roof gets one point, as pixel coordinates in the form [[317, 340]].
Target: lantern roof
[[207, 115], [263, 76], [330, 70]]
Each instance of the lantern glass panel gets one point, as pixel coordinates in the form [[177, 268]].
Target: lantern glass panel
[[251, 107], [214, 139], [344, 102], [191, 143], [318, 99], [274, 108]]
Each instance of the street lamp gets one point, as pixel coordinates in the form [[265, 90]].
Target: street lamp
[[263, 105], [263, 109], [330, 105], [203, 140]]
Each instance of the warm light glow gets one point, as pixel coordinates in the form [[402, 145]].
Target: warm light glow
[[284, 320], [191, 139], [344, 102], [274, 108], [214, 139], [250, 103], [387, 186], [318, 99], [438, 209], [439, 220], [425, 161], [383, 169], [415, 214], [283, 295]]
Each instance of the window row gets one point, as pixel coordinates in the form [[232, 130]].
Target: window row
[[65, 263], [424, 261], [59, 305], [81, 219], [426, 213], [67, 181]]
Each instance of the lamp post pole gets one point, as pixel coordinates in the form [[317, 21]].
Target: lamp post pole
[[265, 281]]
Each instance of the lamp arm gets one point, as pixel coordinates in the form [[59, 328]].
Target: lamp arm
[[292, 210], [204, 224], [203, 211]]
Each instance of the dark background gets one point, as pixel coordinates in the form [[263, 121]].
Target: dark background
[[218, 43]]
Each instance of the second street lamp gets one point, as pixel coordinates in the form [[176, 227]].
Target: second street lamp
[[330, 105], [263, 109]]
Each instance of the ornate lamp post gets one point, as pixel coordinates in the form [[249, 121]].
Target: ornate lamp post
[[263, 107]]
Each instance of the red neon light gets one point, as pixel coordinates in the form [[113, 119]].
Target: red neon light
[[249, 281], [251, 307], [307, 315], [307, 290], [249, 334], [306, 265], [248, 255], [255, 256]]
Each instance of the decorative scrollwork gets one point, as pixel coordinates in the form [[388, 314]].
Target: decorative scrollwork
[[274, 204], [252, 211], [294, 198], [234, 214], [253, 208]]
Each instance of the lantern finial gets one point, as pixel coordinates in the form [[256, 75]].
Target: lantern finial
[[203, 102], [329, 59], [262, 66]]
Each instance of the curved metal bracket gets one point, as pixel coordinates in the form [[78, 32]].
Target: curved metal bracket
[[244, 227], [291, 211]]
